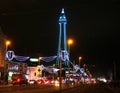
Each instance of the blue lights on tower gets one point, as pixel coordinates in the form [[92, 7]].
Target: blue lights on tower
[[62, 43]]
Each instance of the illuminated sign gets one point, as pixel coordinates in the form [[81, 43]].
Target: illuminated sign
[[15, 67], [34, 59]]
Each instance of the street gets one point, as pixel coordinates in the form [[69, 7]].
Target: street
[[92, 88]]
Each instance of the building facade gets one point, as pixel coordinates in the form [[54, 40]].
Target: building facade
[[2, 53]]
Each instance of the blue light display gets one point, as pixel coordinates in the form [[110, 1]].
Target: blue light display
[[48, 59], [62, 31], [21, 58]]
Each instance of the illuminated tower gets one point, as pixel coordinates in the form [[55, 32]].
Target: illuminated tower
[[62, 46]]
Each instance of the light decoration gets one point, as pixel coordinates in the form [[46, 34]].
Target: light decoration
[[48, 59], [34, 60], [21, 58], [15, 67], [10, 55], [50, 70], [64, 55], [77, 68]]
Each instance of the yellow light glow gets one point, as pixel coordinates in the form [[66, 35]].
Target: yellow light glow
[[70, 41], [40, 58], [80, 58], [8, 43]]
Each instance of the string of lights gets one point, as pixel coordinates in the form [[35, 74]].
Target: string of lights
[[48, 59]]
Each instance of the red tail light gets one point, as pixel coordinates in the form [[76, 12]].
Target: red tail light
[[11, 81], [18, 80]]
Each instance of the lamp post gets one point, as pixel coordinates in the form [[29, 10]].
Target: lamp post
[[7, 43], [80, 60], [39, 60], [70, 42]]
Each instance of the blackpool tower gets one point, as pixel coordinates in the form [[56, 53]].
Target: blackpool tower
[[62, 53]]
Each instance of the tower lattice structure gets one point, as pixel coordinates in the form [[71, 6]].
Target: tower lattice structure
[[62, 42]]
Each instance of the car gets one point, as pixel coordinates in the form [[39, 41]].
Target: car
[[40, 81], [32, 82], [19, 79], [46, 81]]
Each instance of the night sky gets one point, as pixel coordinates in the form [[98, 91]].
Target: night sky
[[32, 26]]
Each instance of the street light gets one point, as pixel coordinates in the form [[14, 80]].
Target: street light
[[7, 43], [70, 42], [39, 60], [80, 60]]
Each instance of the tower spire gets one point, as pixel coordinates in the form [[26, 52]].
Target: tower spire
[[62, 11]]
